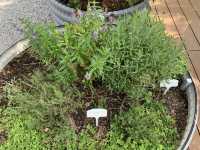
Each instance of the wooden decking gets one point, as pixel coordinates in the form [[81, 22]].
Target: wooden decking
[[182, 21]]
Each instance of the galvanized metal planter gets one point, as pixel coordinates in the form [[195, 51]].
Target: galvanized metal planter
[[192, 118], [63, 13], [190, 91]]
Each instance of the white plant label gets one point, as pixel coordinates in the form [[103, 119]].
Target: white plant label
[[168, 84], [97, 113]]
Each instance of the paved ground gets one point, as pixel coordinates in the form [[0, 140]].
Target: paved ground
[[12, 11]]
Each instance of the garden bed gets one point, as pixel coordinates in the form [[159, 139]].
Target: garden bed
[[24, 65], [96, 65]]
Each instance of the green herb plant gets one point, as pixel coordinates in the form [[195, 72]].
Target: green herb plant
[[142, 54], [135, 54], [43, 98], [130, 56]]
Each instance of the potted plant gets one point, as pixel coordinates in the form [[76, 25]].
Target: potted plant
[[98, 65], [70, 10]]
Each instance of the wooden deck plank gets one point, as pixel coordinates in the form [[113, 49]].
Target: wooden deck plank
[[182, 25], [195, 58], [153, 9], [192, 17], [196, 6], [195, 73], [165, 16], [195, 144]]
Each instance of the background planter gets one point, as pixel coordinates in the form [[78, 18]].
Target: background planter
[[190, 91], [62, 13]]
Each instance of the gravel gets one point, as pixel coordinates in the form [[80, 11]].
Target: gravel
[[11, 14]]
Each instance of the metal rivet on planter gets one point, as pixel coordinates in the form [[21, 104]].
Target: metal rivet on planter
[[168, 84]]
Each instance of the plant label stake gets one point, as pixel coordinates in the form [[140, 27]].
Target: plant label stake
[[168, 84], [97, 113]]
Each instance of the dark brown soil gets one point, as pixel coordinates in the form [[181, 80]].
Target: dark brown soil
[[3, 137], [24, 65], [176, 103], [20, 66], [100, 97]]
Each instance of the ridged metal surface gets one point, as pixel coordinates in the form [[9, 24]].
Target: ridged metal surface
[[64, 14], [192, 115]]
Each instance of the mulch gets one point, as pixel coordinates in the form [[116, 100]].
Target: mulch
[[176, 103]]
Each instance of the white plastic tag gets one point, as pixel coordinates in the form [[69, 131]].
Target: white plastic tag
[[97, 113], [168, 84]]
